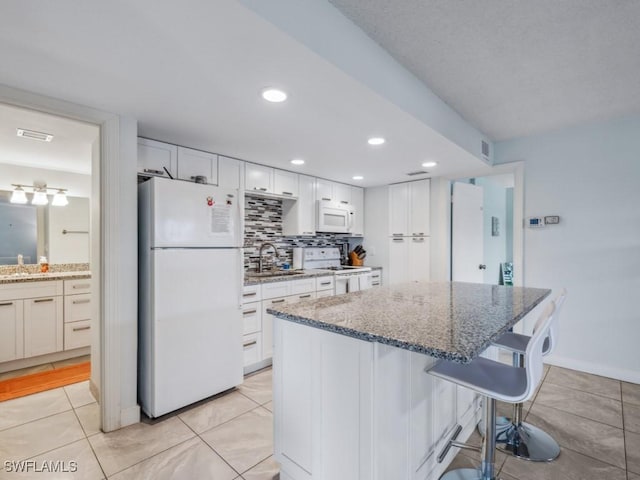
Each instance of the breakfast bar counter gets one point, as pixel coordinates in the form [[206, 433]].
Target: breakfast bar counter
[[352, 399]]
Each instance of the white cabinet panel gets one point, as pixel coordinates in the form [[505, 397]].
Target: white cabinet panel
[[77, 307], [229, 172], [252, 317], [258, 178], [192, 163], [251, 293], [304, 285], [73, 287], [398, 260], [398, 210], [154, 157], [252, 348], [11, 330], [334, 191], [299, 217], [325, 283], [325, 293], [357, 200], [267, 324], [418, 266], [342, 193], [43, 322], [276, 289], [419, 208], [376, 278], [77, 334], [285, 183], [324, 189]]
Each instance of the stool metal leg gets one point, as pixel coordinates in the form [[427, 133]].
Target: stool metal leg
[[487, 467]]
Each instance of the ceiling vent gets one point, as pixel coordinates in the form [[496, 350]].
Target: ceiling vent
[[417, 172], [485, 150], [32, 134]]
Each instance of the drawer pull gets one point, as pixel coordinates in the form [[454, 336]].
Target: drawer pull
[[278, 301], [83, 285], [249, 344], [262, 189], [77, 302], [325, 283], [344, 201], [397, 234], [250, 294], [325, 198], [375, 283], [155, 172], [77, 329], [419, 234], [398, 239], [287, 193], [249, 312], [6, 304], [41, 300], [305, 296]]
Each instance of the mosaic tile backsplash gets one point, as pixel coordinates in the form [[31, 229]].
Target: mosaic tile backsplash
[[263, 223]]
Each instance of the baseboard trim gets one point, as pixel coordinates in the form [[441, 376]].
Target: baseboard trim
[[626, 375]]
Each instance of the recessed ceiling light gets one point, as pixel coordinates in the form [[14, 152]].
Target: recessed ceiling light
[[376, 141], [274, 95], [297, 161], [429, 164], [358, 177]]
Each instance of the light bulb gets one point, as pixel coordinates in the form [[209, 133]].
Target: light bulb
[[18, 196], [39, 198], [60, 199]]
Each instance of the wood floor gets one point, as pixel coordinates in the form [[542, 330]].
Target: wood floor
[[41, 381]]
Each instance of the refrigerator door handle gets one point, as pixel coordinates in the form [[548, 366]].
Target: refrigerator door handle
[[241, 277]]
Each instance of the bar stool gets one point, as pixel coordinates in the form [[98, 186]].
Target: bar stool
[[496, 381], [514, 436]]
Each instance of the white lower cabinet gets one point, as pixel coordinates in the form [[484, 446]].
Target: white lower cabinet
[[376, 278], [409, 259], [77, 334], [252, 348], [348, 409], [252, 317], [43, 332], [78, 308], [11, 330]]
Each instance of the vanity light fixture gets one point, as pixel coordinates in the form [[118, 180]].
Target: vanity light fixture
[[429, 164], [39, 195], [274, 95], [297, 161], [375, 141], [18, 196], [358, 177]]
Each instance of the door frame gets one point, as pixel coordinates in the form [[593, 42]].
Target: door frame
[[114, 245]]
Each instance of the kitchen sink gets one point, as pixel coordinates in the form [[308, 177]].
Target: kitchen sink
[[278, 273]]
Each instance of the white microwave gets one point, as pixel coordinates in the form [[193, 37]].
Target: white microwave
[[334, 217]]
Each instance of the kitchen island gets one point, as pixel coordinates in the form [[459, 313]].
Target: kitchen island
[[352, 400]]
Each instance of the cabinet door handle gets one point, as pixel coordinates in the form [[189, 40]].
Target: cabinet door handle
[[344, 201], [250, 294], [421, 234], [83, 285], [155, 172], [325, 283], [325, 198], [248, 344], [305, 296], [307, 233], [41, 300], [78, 329], [77, 302], [278, 301], [397, 234], [6, 304], [287, 193], [249, 312], [375, 283], [398, 239]]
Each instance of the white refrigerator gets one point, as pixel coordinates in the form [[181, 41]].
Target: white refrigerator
[[190, 262]]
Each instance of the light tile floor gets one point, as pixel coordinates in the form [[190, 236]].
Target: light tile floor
[[596, 420]]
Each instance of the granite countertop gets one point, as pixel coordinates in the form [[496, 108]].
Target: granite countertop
[[451, 320], [249, 280], [41, 277]]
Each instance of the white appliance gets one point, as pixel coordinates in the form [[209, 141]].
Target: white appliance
[[190, 325], [347, 279], [334, 217]]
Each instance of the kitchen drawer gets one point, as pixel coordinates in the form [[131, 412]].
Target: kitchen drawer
[[73, 287], [301, 296], [252, 317], [77, 307], [324, 293], [77, 334], [251, 293], [304, 285], [252, 348], [325, 283], [20, 290], [276, 289], [376, 278]]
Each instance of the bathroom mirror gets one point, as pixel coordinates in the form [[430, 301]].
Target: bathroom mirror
[[59, 233]]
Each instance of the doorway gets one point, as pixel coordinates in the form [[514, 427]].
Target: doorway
[[46, 209]]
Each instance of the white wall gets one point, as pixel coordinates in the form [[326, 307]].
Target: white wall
[[78, 185], [590, 176], [69, 247]]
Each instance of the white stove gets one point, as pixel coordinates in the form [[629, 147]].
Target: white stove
[[347, 278]]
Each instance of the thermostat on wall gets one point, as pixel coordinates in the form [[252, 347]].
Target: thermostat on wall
[[535, 222], [552, 220]]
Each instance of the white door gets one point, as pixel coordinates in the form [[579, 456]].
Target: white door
[[419, 208], [399, 210], [398, 260], [467, 234], [419, 255]]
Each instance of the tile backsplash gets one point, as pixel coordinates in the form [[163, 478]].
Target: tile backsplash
[[263, 223]]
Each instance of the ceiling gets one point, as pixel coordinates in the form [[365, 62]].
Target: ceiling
[[193, 76], [514, 68], [69, 151]]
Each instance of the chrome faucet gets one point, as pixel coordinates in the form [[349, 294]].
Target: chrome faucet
[[262, 247]]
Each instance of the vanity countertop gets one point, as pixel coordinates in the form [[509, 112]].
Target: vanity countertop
[[42, 277]]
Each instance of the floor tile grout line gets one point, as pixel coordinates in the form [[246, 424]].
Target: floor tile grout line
[[220, 424], [34, 420], [583, 390], [581, 416], [624, 434]]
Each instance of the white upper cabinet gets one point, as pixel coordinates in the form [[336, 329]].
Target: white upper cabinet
[[258, 178], [196, 163], [154, 157], [334, 191], [357, 200], [285, 183], [230, 172], [409, 209], [299, 217]]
